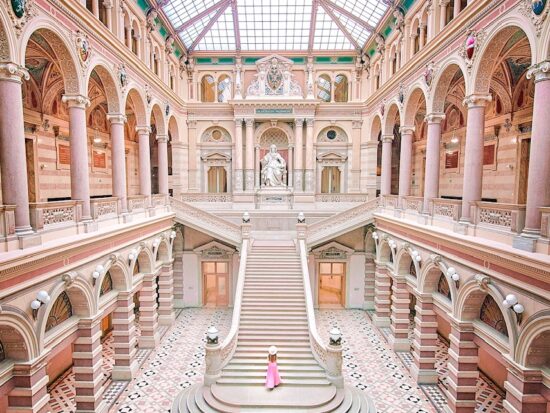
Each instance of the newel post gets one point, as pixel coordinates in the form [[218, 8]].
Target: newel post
[[213, 357], [334, 358]]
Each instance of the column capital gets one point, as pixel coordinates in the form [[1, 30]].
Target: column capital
[[356, 124], [162, 138], [239, 122], [539, 71], [387, 138], [476, 100], [407, 129], [309, 122], [299, 122], [117, 118], [76, 101], [191, 123], [143, 129], [13, 72], [249, 122], [434, 117]]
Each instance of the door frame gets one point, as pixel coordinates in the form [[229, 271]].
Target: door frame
[[343, 275]]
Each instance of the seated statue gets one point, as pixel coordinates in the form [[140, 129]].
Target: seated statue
[[273, 168]]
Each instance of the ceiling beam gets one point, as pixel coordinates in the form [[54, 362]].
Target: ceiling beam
[[236, 27], [314, 7], [209, 26], [349, 15], [341, 27], [201, 15]]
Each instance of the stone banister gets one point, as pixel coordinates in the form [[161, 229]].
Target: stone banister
[[104, 207], [510, 217], [342, 222], [217, 356], [45, 215], [448, 208], [203, 221], [7, 220], [329, 357]]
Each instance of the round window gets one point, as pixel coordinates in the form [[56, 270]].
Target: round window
[[331, 134], [216, 135]]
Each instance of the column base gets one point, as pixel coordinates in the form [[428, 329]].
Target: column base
[[399, 344], [167, 320], [461, 227], [149, 342], [101, 408], [89, 226], [380, 321], [178, 303], [126, 217], [29, 240], [461, 406], [151, 211], [423, 376], [368, 305], [125, 373], [525, 242]]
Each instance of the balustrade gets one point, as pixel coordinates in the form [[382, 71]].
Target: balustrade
[[413, 203], [137, 203], [103, 208], [506, 216], [339, 198], [446, 208], [46, 215]]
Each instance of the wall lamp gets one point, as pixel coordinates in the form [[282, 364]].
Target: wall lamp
[[453, 275], [246, 218], [132, 255], [97, 272], [172, 234], [41, 298], [511, 301], [416, 255]]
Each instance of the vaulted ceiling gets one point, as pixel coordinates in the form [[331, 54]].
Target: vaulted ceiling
[[285, 25]]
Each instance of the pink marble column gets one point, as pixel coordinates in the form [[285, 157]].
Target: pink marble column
[[124, 338], [382, 295], [299, 155], [525, 391], [13, 162], [405, 168], [80, 170], [433, 156], [473, 152], [250, 164], [399, 338], [238, 175], [309, 175], [29, 393], [162, 141], [538, 190], [463, 370], [118, 156], [425, 341], [385, 179], [144, 162]]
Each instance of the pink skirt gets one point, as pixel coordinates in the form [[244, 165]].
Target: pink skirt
[[272, 378]]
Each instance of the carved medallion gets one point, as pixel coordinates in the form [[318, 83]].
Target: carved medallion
[[122, 76], [18, 7], [20, 11], [471, 45], [537, 11], [83, 47], [428, 74], [538, 6]]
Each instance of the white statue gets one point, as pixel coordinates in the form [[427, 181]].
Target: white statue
[[273, 168]]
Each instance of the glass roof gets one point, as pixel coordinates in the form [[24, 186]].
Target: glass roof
[[256, 25]]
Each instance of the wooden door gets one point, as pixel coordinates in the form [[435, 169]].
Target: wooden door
[[524, 150]]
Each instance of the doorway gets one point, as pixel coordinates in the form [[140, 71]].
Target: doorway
[[332, 282], [524, 151], [215, 283], [330, 180], [31, 169]]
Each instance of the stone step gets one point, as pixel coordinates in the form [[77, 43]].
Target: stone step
[[262, 353], [273, 327], [261, 381]]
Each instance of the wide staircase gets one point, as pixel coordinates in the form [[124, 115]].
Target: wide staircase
[[273, 312]]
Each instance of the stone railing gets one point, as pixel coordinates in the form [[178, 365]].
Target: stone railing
[[104, 207], [341, 197], [345, 221], [390, 201], [329, 357], [447, 208], [413, 203], [206, 222], [510, 217], [45, 215], [137, 203], [545, 222], [207, 198], [7, 220], [159, 200], [218, 355]]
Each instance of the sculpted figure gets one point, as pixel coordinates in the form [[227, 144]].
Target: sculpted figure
[[273, 168]]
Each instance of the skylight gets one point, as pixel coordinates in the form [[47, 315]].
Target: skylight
[[286, 25]]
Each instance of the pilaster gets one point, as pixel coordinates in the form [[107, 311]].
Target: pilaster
[[148, 317], [399, 339], [124, 338], [382, 294]]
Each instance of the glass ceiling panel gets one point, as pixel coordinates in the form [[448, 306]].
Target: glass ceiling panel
[[358, 32], [370, 11], [192, 32], [327, 34], [221, 36], [180, 11], [274, 25]]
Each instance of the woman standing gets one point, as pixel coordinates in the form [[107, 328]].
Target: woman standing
[[272, 379]]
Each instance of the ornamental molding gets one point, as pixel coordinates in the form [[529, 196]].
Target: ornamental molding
[[13, 71], [469, 49], [83, 48], [539, 71], [528, 8], [20, 12]]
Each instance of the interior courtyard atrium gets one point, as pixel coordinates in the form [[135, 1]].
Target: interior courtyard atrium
[[274, 206]]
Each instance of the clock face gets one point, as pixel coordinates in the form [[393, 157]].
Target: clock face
[[331, 134]]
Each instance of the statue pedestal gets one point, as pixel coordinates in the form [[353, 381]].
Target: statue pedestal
[[274, 198]]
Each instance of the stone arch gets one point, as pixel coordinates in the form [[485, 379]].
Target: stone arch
[[80, 295], [491, 49], [532, 349], [442, 82], [164, 254], [173, 129], [428, 277], [145, 259], [470, 299], [119, 274], [207, 135], [411, 103], [376, 128], [17, 335], [287, 130], [139, 102], [389, 121], [110, 84], [160, 118], [403, 263], [7, 38], [384, 252], [66, 55], [341, 135]]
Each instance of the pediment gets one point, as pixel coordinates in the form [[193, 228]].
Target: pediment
[[269, 58], [332, 250], [214, 249], [216, 156], [332, 156]]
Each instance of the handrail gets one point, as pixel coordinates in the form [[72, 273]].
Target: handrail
[[204, 221], [217, 356], [329, 358]]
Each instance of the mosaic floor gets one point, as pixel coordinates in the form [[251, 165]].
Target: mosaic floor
[[179, 362]]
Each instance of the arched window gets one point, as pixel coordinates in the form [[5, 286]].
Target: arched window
[[417, 40], [134, 39], [377, 81], [412, 269], [62, 310], [172, 79], [137, 270], [103, 13], [443, 287], [449, 11], [207, 89], [324, 88], [156, 63], [224, 88], [394, 63], [491, 315], [106, 284], [340, 88]]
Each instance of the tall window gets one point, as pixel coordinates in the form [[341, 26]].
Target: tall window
[[103, 13], [207, 89], [134, 40], [224, 88], [156, 63], [324, 91], [417, 40], [217, 179], [340, 88], [330, 180]]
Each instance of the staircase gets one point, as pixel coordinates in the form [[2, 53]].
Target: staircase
[[273, 312]]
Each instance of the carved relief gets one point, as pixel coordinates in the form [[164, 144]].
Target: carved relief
[[83, 48], [537, 11], [274, 78], [468, 50], [20, 12]]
